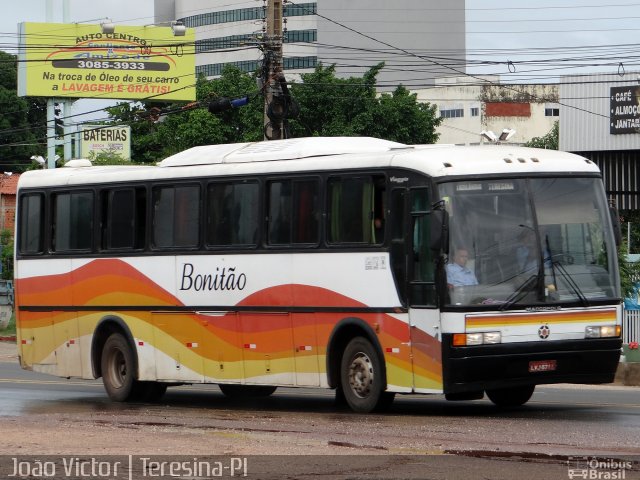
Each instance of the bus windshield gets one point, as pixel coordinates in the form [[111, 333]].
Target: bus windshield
[[517, 243]]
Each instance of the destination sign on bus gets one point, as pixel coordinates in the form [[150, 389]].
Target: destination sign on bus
[[491, 186]]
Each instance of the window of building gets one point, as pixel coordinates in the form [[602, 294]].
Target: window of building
[[72, 223], [232, 214], [551, 112], [176, 216], [452, 113], [475, 111], [244, 14]]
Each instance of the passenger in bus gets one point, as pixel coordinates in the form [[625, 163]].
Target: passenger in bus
[[527, 253], [457, 272]]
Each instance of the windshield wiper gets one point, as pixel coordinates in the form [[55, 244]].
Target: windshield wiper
[[520, 292], [572, 283]]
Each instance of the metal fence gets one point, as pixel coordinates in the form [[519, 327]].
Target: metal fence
[[630, 326]]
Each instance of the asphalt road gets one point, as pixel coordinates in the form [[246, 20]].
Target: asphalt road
[[558, 432]]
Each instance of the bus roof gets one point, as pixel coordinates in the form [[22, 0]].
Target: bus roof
[[322, 154]]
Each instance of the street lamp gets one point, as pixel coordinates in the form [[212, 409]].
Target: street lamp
[[505, 135], [489, 135], [106, 24], [177, 27]]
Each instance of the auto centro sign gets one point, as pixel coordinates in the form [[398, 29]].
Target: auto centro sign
[[64, 60], [98, 139]]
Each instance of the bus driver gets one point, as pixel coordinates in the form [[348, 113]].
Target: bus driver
[[457, 272]]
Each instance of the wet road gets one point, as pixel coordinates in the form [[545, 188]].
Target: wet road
[[560, 423]]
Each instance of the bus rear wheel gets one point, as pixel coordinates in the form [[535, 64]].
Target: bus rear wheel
[[249, 391], [511, 397], [361, 377], [118, 373]]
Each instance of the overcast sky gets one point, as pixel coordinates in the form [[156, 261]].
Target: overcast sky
[[562, 36]]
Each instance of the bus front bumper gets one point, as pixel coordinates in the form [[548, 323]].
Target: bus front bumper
[[484, 367]]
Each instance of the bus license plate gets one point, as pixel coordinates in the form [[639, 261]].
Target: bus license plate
[[542, 366]]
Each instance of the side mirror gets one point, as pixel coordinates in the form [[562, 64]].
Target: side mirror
[[439, 234], [615, 223]]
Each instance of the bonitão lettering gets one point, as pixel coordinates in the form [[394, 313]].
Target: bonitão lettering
[[225, 278]]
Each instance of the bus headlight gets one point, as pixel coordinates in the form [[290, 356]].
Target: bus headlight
[[483, 338], [602, 331]]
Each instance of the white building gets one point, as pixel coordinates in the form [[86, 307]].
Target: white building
[[406, 34], [471, 105]]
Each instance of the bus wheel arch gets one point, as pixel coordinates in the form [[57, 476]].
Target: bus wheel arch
[[105, 328], [355, 338]]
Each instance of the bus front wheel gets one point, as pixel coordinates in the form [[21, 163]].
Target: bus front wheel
[[117, 365], [511, 397], [361, 377]]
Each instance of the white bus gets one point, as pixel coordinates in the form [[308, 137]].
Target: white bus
[[322, 262]]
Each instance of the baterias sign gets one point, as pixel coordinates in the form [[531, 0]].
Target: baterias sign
[[80, 61]]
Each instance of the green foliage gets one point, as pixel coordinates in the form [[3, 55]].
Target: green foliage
[[6, 254], [629, 272], [549, 141], [10, 331], [107, 158], [329, 106], [22, 119], [630, 224]]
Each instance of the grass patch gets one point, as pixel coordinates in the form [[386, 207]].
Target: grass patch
[[10, 331]]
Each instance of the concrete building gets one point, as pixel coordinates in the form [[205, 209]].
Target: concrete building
[[471, 105], [414, 39]]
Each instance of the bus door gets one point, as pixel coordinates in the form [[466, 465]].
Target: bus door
[[424, 317]]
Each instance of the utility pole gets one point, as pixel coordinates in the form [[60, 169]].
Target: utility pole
[[273, 101]]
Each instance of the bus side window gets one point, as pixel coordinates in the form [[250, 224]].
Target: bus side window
[[123, 218], [72, 224], [176, 216], [232, 214], [293, 212], [356, 209], [31, 224]]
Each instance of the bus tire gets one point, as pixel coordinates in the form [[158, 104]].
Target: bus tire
[[361, 377], [247, 391], [511, 397], [118, 371]]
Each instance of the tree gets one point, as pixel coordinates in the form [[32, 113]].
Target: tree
[[550, 141], [22, 119], [6, 254], [328, 106], [159, 129], [331, 106]]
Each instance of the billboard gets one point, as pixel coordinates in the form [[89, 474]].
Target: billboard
[[103, 139], [624, 108], [71, 60]]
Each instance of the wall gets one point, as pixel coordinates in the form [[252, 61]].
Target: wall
[[586, 103]]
